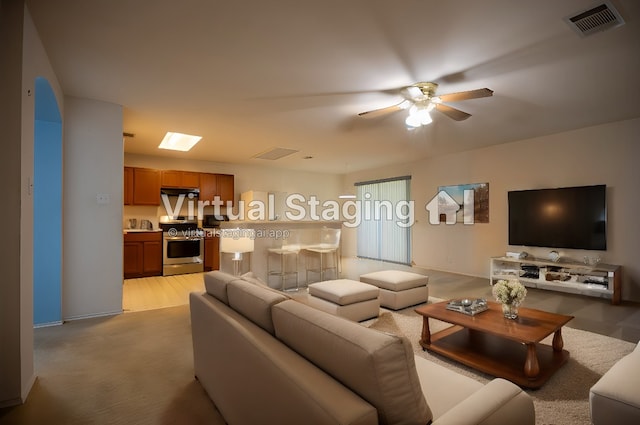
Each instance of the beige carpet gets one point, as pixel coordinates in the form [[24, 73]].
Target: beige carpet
[[564, 399], [137, 368]]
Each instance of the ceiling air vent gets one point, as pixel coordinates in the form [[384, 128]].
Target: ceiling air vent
[[600, 18], [275, 153]]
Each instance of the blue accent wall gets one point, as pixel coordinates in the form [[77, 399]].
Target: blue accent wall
[[47, 206]]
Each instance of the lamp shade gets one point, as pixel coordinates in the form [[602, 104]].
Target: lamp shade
[[237, 240]]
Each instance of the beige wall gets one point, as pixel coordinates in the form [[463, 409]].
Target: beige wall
[[92, 252], [605, 154]]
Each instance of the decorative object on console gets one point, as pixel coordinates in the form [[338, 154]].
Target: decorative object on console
[[521, 255], [554, 256], [591, 261], [510, 293]]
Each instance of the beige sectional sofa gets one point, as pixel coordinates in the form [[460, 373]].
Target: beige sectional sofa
[[264, 358], [615, 398]]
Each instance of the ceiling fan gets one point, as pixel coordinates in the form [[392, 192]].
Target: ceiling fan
[[420, 99]]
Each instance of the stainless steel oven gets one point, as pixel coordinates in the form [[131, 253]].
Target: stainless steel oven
[[182, 246]]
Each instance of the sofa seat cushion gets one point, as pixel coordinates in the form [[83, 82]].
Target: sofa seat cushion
[[378, 367], [254, 302], [395, 280], [343, 291], [443, 398]]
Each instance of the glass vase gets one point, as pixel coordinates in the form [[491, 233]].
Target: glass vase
[[510, 311]]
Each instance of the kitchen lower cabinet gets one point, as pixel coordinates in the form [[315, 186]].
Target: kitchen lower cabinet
[[142, 254], [211, 251]]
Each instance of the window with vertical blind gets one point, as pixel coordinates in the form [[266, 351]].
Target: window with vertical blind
[[383, 233]]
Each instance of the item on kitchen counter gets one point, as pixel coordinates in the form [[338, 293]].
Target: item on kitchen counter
[[146, 225], [133, 223]]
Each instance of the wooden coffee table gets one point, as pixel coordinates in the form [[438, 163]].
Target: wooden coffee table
[[501, 347]]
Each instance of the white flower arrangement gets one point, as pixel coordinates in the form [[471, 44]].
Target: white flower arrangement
[[509, 291]]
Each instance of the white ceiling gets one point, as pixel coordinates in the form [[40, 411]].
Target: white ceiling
[[251, 75]]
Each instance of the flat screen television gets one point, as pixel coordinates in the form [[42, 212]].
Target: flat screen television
[[567, 217]]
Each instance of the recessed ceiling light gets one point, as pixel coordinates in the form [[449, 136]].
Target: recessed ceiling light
[[178, 141]]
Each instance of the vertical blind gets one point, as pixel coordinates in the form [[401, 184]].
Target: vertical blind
[[380, 233]]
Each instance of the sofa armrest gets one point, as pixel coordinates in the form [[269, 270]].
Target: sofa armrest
[[500, 402], [615, 397]]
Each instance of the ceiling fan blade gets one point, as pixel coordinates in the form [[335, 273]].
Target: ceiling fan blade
[[383, 111], [466, 95], [452, 113]]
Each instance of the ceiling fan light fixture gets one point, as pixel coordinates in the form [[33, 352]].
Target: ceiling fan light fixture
[[413, 121], [418, 116]]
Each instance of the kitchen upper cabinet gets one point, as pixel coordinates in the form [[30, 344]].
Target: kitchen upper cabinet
[[142, 185], [146, 187], [180, 179], [225, 188], [221, 185], [208, 186], [128, 185], [142, 254]]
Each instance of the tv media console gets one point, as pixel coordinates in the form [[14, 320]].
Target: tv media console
[[600, 280]]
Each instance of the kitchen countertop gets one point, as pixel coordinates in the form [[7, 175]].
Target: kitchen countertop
[[140, 230]]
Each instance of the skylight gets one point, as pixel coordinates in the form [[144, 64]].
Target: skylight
[[178, 141]]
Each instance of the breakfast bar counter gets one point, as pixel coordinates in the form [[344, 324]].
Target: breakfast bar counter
[[268, 235]]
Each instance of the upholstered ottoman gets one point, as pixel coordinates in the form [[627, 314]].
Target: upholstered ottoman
[[399, 289], [347, 298]]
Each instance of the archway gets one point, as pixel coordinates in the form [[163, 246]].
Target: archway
[[47, 207]]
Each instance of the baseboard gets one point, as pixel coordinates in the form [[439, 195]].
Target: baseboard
[[89, 316], [27, 389], [23, 396], [11, 402], [46, 325]]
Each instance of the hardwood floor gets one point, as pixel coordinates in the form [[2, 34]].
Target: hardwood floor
[[150, 293]]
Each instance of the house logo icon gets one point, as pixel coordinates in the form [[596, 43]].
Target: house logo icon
[[444, 206]]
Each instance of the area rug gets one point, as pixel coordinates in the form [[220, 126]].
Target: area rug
[[564, 399]]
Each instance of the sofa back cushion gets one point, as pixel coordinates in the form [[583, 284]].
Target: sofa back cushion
[[215, 283], [378, 367], [254, 302]]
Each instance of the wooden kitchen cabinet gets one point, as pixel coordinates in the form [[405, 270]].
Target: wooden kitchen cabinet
[[225, 188], [221, 185], [180, 179], [128, 185], [211, 251], [142, 254], [146, 187], [208, 186]]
